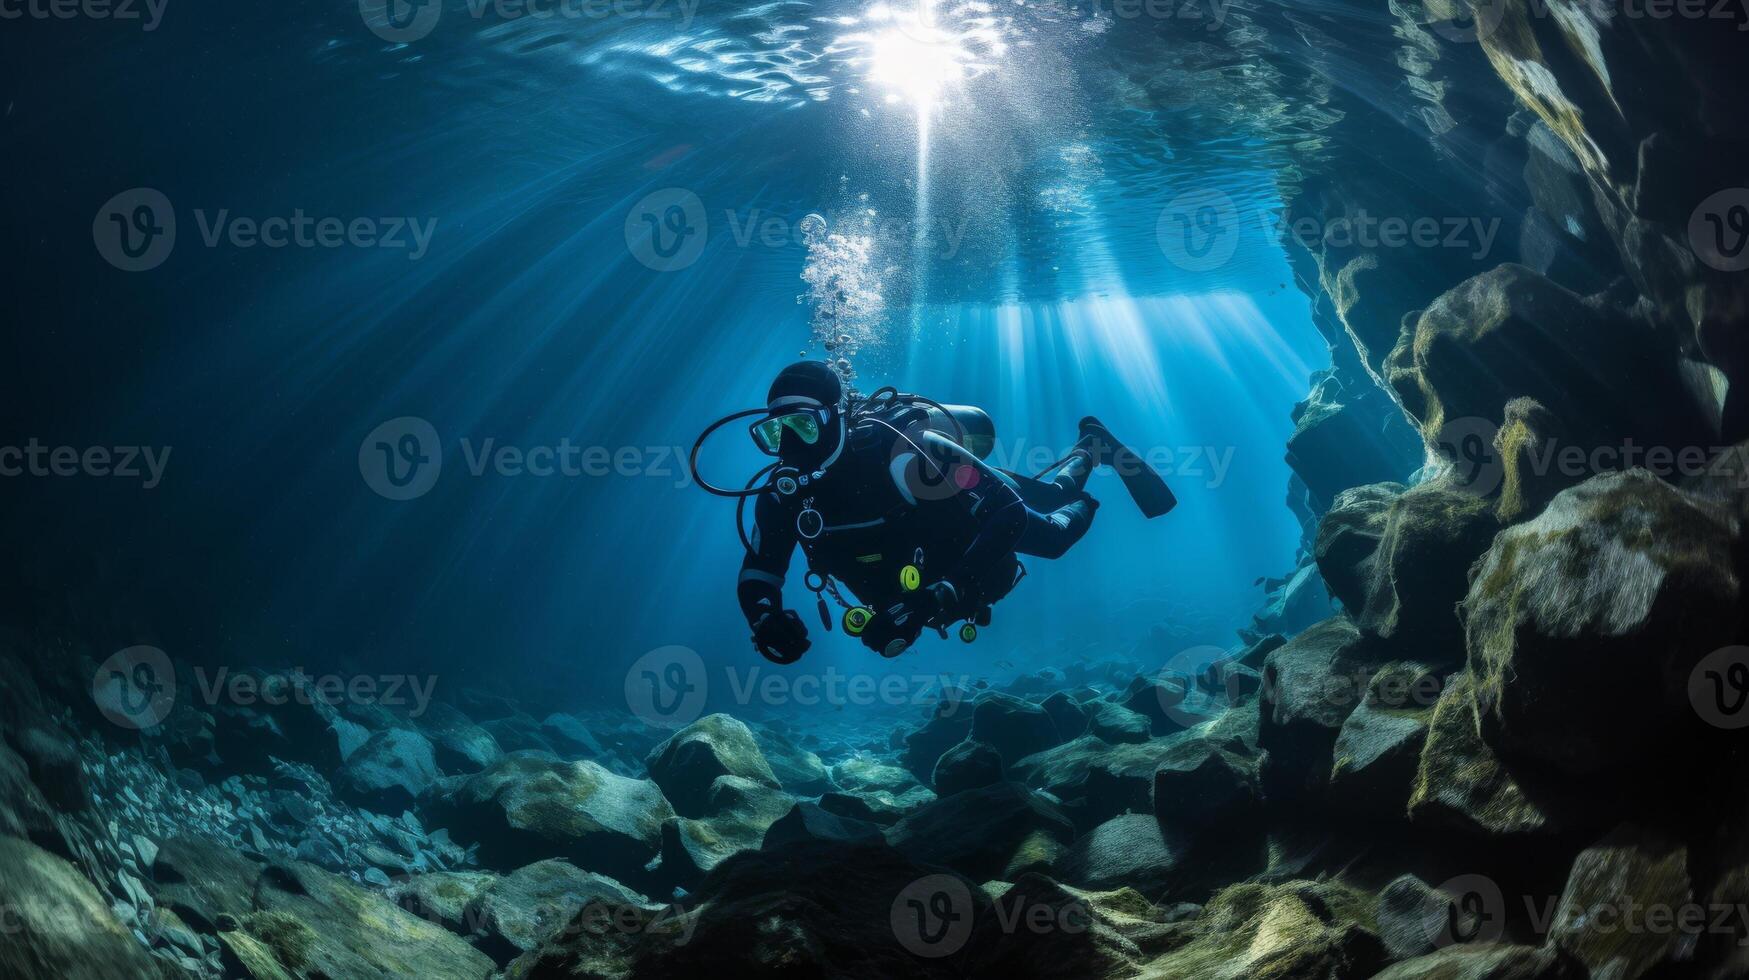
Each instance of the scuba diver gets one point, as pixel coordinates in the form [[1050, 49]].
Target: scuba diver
[[890, 498]]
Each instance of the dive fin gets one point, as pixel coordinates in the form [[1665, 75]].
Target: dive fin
[[1146, 487]]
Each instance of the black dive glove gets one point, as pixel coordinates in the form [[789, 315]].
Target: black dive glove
[[781, 637], [896, 627]]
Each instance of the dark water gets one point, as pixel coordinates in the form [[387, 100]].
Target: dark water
[[1041, 292]]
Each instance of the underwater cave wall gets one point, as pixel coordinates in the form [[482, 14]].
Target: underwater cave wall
[[1569, 298]]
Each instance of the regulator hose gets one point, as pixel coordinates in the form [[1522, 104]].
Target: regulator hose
[[692, 461]]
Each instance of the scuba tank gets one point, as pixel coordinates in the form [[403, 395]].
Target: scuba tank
[[967, 425]]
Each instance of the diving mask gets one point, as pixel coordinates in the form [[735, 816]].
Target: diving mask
[[768, 432]]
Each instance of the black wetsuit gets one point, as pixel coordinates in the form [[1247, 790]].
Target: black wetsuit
[[880, 507]]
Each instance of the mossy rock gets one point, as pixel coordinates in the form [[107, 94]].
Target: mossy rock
[[690, 760], [1294, 931], [523, 809], [58, 926], [1585, 626], [1461, 784]]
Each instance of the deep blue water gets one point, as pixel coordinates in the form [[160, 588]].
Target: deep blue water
[[529, 321]]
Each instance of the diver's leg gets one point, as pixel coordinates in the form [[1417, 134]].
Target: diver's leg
[[1074, 473], [1051, 535]]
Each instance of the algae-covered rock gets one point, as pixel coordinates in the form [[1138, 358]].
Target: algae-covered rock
[[201, 880], [58, 926], [389, 772], [1461, 784], [809, 821], [1102, 780], [1200, 784], [1038, 927], [523, 809], [1420, 572], [1509, 333], [968, 765], [1621, 913], [1114, 723], [815, 909], [1349, 536], [442, 897], [1310, 686], [1133, 851], [1014, 728], [319, 924], [1488, 961], [461, 745], [1379, 748], [995, 832], [1597, 613], [949, 722], [1291, 931], [521, 910], [738, 813], [799, 771], [691, 759]]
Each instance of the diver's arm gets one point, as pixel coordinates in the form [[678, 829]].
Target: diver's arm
[[760, 587]]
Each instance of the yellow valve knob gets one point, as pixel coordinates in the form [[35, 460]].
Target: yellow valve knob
[[910, 578], [856, 619]]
